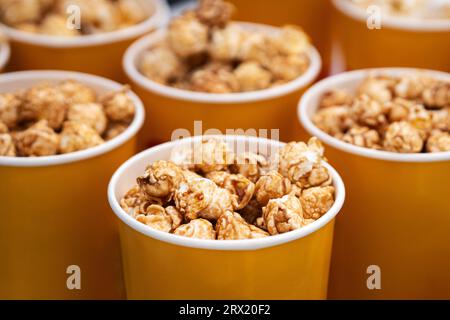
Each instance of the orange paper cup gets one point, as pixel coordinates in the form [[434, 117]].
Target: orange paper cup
[[160, 265], [99, 54], [54, 217], [169, 108], [401, 42], [397, 213]]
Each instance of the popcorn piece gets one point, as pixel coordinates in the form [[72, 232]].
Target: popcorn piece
[[7, 147], [20, 11], [411, 86], [283, 215], [212, 155], [251, 76], [187, 35], [114, 130], [135, 202], [368, 111], [161, 179], [161, 65], [362, 137], [226, 43], [214, 12], [334, 98], [237, 185], [250, 165], [202, 198], [199, 229], [290, 67], [403, 137], [38, 140], [119, 106], [441, 119], [259, 47], [77, 136], [437, 96], [56, 25], [89, 113], [161, 219], [134, 12], [231, 226], [214, 78], [292, 41], [316, 201], [333, 120], [271, 186], [251, 212], [438, 141], [76, 92], [9, 109], [377, 88]]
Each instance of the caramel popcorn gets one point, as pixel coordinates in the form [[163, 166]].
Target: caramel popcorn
[[114, 129], [9, 109], [77, 135], [50, 16], [438, 141], [77, 92], [391, 113], [38, 140], [119, 106], [232, 200], [91, 114], [205, 51], [7, 147]]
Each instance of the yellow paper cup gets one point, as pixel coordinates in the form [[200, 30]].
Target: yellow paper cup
[[160, 265], [54, 216], [401, 42], [99, 54], [169, 108], [313, 16], [397, 213], [5, 53]]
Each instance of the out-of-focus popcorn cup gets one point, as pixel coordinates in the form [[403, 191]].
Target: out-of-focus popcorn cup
[[170, 108], [99, 54], [313, 16], [5, 53], [397, 212], [54, 217], [401, 42], [160, 265]]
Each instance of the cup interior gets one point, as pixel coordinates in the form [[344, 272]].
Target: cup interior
[[125, 178]]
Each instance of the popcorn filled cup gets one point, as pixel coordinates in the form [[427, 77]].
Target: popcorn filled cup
[[171, 108], [99, 54], [57, 239], [294, 265], [374, 39], [393, 241]]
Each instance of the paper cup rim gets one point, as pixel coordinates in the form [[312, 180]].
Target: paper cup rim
[[139, 46], [220, 245], [401, 23], [5, 53], [53, 75], [159, 18], [318, 89]]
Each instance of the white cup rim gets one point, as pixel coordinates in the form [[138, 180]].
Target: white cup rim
[[306, 105], [401, 23], [159, 18], [53, 75], [138, 47], [222, 245]]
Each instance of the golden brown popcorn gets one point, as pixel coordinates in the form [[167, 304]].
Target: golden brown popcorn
[[251, 212], [362, 137], [45, 102], [202, 198], [377, 88], [91, 114], [38, 140], [237, 185], [187, 35], [231, 226], [250, 165], [259, 47], [368, 111], [438, 141], [27, 27], [420, 119], [335, 98], [316, 201], [114, 130], [251, 76], [441, 119], [214, 78], [135, 202], [134, 11], [7, 147], [119, 106], [292, 40], [215, 12], [77, 136], [199, 229], [226, 44], [411, 86], [161, 219], [333, 120], [161, 65], [56, 25], [77, 92], [212, 155], [437, 96], [161, 179], [399, 109], [9, 109], [271, 186], [288, 67], [403, 137], [20, 11], [283, 215]]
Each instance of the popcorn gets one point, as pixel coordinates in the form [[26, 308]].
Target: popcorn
[[7, 147], [290, 67], [16, 12], [214, 78], [236, 200], [9, 109], [214, 12], [231, 226], [438, 141], [391, 113], [251, 76], [119, 106], [91, 114], [38, 140], [226, 44], [77, 92], [77, 136], [170, 70], [114, 130], [199, 229], [56, 25], [292, 41], [134, 12]]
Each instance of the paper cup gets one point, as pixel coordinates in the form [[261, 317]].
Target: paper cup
[[397, 213], [401, 42], [160, 265], [99, 54], [313, 16], [170, 108], [5, 53], [54, 213]]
